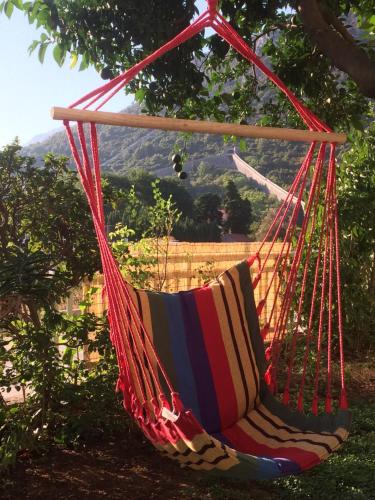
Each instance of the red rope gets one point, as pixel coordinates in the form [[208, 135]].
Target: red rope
[[343, 397], [281, 326], [322, 297], [130, 338], [110, 268], [296, 334], [287, 242]]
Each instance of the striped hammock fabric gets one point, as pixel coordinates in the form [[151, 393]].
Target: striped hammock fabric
[[209, 342], [192, 365]]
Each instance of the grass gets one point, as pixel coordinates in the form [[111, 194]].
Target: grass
[[347, 474]]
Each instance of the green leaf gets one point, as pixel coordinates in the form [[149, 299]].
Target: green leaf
[[84, 63], [140, 95], [59, 55], [8, 8], [68, 356], [33, 46], [73, 60], [42, 52]]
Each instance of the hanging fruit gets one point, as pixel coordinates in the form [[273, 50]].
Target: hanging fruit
[[178, 161], [176, 158]]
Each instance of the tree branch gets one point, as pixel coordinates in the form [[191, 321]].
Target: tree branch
[[331, 19], [344, 54]]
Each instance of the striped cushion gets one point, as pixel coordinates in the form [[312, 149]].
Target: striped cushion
[[209, 343], [266, 432]]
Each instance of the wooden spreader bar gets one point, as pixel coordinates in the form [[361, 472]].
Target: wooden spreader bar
[[197, 126]]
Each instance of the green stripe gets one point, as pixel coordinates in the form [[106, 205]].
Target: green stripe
[[161, 336], [315, 423], [251, 316]]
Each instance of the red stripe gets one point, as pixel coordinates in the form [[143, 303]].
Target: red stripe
[[218, 359], [242, 442]]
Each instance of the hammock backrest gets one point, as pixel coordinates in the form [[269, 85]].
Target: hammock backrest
[[209, 343], [305, 281]]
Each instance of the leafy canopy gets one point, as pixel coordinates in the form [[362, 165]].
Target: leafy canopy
[[47, 242], [238, 210], [322, 49]]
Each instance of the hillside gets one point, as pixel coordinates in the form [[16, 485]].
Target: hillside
[[122, 149]]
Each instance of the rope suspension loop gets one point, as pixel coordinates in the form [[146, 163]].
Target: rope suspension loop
[[299, 301], [212, 7]]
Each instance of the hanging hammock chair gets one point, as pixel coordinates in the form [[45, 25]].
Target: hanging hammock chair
[[193, 368]]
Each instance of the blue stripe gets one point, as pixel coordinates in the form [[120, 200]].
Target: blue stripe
[[209, 410], [183, 369]]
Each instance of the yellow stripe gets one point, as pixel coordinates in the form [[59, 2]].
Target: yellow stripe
[[329, 440], [272, 443], [209, 455], [340, 432], [229, 349], [239, 335], [223, 465]]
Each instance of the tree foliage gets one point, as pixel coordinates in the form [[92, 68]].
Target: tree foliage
[[322, 49], [207, 208], [47, 242], [47, 247], [356, 191], [238, 211]]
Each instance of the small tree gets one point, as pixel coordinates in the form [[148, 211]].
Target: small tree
[[145, 261], [238, 210], [47, 247], [207, 208], [47, 242], [188, 229]]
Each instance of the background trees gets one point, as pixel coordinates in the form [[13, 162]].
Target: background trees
[[238, 210], [198, 220], [356, 191], [47, 247], [46, 237], [207, 208]]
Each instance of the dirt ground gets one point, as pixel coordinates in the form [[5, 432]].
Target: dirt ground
[[115, 471], [130, 468]]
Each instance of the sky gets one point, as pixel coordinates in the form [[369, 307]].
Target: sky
[[28, 89]]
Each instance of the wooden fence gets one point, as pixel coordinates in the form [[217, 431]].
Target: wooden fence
[[189, 266]]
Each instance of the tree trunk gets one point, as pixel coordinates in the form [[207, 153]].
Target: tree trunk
[[343, 51]]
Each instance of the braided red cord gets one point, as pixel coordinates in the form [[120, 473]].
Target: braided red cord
[[343, 397], [281, 325], [133, 343], [296, 333], [284, 255], [118, 298]]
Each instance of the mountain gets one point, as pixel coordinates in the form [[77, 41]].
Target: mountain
[[43, 137], [122, 149]]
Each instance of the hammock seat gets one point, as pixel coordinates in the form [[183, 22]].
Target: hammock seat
[[208, 339], [193, 368]]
